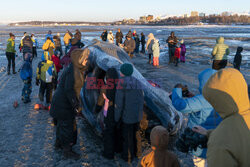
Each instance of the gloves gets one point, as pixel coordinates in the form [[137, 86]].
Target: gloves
[[37, 82]]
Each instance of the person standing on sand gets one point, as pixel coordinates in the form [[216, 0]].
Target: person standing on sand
[[129, 45], [77, 38], [137, 42], [27, 45], [118, 37], [183, 51], [156, 53], [104, 35], [58, 44], [49, 46], [143, 42], [49, 35], [149, 45], [238, 58], [11, 53], [67, 40], [219, 54], [110, 37], [66, 102], [172, 41], [35, 45]]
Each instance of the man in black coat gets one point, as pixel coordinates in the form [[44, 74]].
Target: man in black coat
[[104, 35], [143, 42], [27, 45], [118, 37], [66, 102], [172, 42], [238, 58]]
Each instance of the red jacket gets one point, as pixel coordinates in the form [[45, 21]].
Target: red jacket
[[177, 52], [57, 63]]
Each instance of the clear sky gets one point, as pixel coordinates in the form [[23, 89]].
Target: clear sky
[[110, 10]]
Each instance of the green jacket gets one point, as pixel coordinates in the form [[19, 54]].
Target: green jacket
[[220, 50], [10, 46]]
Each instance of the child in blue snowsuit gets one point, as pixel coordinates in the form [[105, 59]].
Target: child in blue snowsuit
[[26, 76]]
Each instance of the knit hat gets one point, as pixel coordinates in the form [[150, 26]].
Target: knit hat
[[127, 69]]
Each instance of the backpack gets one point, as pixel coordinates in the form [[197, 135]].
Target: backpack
[[46, 71]]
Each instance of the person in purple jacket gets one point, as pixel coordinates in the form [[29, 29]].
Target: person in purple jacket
[[183, 51]]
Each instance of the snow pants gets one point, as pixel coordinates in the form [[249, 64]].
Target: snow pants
[[46, 88], [11, 60], [27, 89], [155, 61], [131, 141]]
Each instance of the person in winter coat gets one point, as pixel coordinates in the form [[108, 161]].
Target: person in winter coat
[[11, 53], [129, 109], [183, 51], [172, 42], [219, 54], [58, 44], [49, 47], [199, 111], [35, 45], [67, 38], [56, 60], [65, 61], [119, 37], [159, 156], [156, 53], [46, 76], [228, 144], [66, 102], [149, 45], [21, 41], [49, 35], [110, 37], [104, 35], [129, 46], [111, 134], [129, 34], [143, 42], [137, 43], [78, 38], [26, 76], [27, 45], [238, 58], [177, 55]]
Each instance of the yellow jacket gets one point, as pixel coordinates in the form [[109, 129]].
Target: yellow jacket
[[229, 143], [49, 46], [67, 37]]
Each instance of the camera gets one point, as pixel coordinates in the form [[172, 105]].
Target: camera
[[190, 141]]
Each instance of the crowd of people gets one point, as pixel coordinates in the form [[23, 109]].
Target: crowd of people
[[222, 107]]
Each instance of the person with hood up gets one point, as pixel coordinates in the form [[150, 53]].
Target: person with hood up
[[119, 37], [35, 45], [129, 46], [11, 53], [143, 42], [172, 42], [49, 47], [228, 144], [27, 45], [137, 42], [129, 109], [183, 51], [199, 111], [159, 156], [46, 77], [104, 35], [67, 40], [49, 35], [238, 58], [26, 76], [156, 52], [66, 102], [111, 133], [149, 45], [58, 44], [219, 54], [110, 37]]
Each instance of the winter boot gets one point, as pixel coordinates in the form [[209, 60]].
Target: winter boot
[[68, 153]]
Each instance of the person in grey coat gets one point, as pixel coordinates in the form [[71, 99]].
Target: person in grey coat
[[129, 109]]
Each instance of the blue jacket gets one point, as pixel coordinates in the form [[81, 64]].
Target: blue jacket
[[50, 36], [199, 110], [26, 70]]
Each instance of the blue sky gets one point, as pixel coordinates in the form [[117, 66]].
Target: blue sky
[[109, 10]]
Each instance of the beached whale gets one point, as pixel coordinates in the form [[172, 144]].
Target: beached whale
[[158, 107]]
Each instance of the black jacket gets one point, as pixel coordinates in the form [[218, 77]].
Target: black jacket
[[104, 36], [172, 44], [143, 41], [118, 37], [27, 45]]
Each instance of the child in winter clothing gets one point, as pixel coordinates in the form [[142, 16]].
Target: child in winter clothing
[[149, 45], [159, 156], [46, 76], [183, 51], [26, 76], [177, 55], [156, 53], [238, 58], [56, 61]]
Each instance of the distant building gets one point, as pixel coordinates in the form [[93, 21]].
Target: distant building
[[202, 14], [143, 19], [150, 18], [194, 14], [185, 15], [225, 14]]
